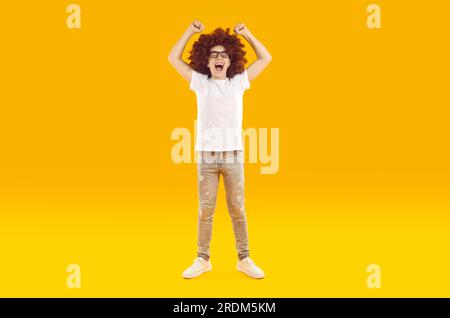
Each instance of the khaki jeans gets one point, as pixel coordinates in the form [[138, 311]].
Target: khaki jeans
[[229, 164]]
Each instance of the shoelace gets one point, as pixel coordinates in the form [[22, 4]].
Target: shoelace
[[198, 263], [249, 261]]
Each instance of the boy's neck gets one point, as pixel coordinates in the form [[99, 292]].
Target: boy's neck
[[219, 78]]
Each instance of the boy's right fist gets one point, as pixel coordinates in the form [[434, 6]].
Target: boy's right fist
[[196, 27]]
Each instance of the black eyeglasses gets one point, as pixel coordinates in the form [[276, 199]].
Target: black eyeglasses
[[215, 54]]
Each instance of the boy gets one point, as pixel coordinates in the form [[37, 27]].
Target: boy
[[217, 74]]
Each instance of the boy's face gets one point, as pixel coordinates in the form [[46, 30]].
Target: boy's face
[[218, 62]]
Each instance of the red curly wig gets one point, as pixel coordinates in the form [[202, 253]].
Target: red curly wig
[[232, 44]]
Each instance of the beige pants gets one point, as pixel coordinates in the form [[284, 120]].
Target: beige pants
[[229, 164]]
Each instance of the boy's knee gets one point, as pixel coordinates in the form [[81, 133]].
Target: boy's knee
[[206, 212]]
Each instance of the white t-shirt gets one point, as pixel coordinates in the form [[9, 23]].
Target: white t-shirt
[[219, 111]]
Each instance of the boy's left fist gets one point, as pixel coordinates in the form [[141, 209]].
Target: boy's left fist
[[241, 29]]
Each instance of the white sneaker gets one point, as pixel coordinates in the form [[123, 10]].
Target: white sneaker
[[197, 268], [248, 267]]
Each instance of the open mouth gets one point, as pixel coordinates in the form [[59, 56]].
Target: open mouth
[[218, 66]]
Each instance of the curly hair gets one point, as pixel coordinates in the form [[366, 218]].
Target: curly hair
[[231, 42]]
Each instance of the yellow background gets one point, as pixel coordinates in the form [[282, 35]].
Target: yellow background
[[86, 175]]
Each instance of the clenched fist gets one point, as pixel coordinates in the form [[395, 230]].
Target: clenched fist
[[241, 29], [196, 27]]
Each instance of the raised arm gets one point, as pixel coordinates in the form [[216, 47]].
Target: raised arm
[[262, 54], [175, 54]]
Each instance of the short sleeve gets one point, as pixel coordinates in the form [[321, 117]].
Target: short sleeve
[[197, 80], [242, 81]]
